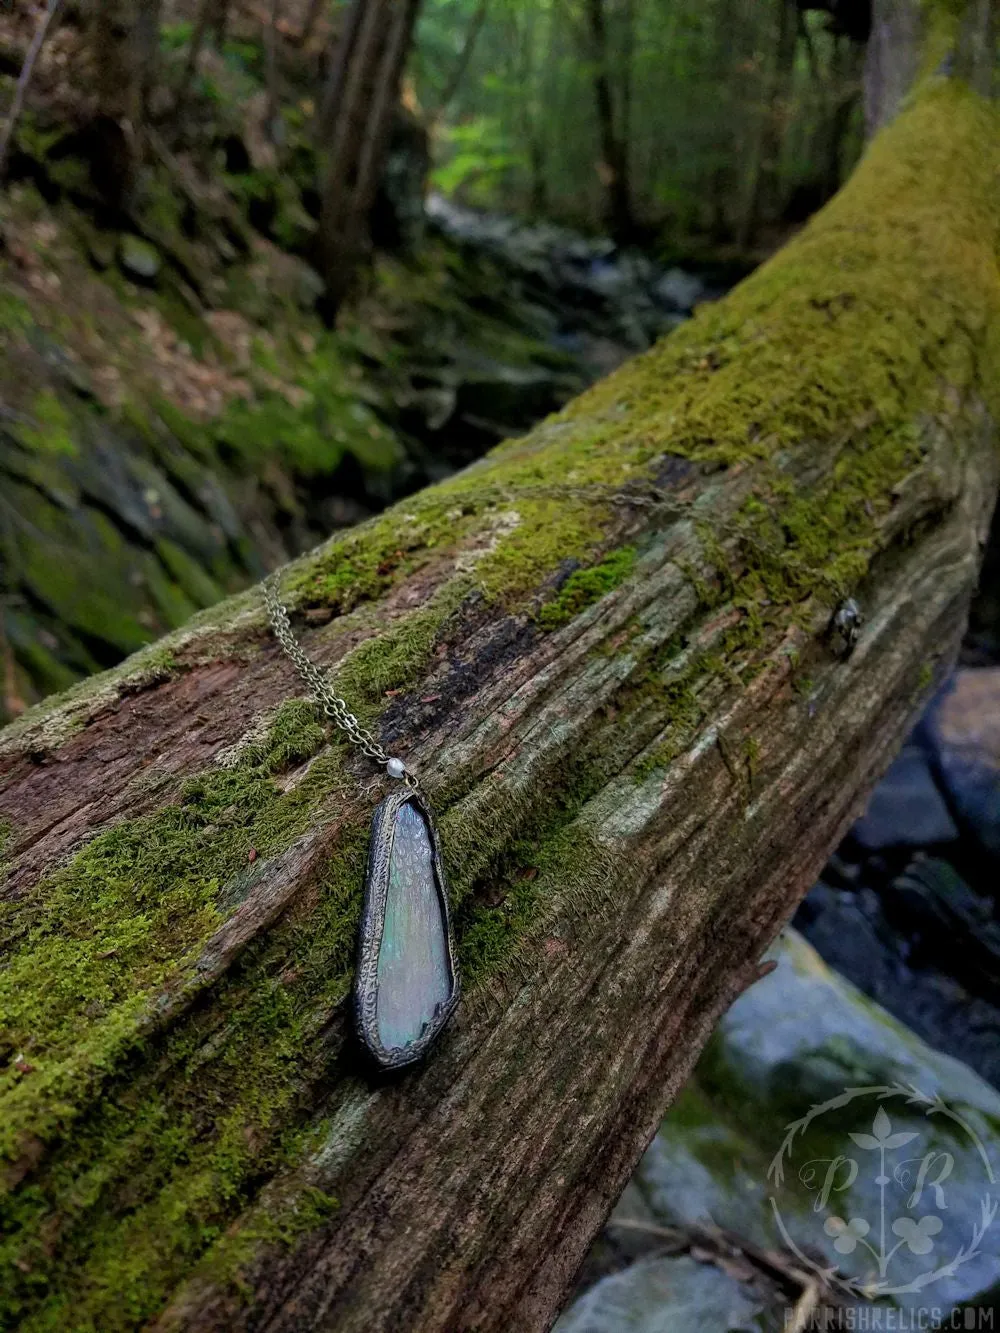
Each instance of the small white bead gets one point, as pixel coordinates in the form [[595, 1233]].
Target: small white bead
[[395, 768]]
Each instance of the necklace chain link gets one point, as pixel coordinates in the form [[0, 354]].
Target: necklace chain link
[[336, 708], [332, 704]]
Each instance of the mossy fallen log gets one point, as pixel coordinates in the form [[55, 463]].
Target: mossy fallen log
[[605, 650]]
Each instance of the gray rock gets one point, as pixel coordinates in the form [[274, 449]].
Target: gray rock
[[678, 290], [962, 728], [907, 969], [803, 1039], [664, 1295], [138, 258], [906, 809]]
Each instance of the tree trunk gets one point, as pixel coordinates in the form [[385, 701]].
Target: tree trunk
[[463, 61], [614, 148], [125, 39], [765, 192], [605, 650], [844, 95], [722, 72], [271, 67], [315, 9], [529, 48], [356, 123], [147, 50], [111, 23], [218, 21]]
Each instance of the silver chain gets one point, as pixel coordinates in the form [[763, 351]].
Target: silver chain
[[336, 708], [332, 704]]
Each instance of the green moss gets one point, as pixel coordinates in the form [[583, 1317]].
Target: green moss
[[308, 1211], [586, 586], [294, 735], [399, 656], [188, 574], [679, 709], [50, 431], [313, 424], [15, 316], [517, 882], [360, 565], [96, 945], [110, 928]]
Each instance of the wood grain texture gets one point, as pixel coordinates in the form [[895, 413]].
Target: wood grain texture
[[470, 1192], [605, 651]]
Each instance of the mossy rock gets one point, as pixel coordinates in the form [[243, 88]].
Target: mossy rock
[[806, 1072], [139, 260]]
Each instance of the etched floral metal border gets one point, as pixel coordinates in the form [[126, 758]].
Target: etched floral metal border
[[373, 922]]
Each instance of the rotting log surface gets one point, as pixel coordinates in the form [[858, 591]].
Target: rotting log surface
[[603, 649]]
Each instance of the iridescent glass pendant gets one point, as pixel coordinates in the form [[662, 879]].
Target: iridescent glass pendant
[[406, 987]]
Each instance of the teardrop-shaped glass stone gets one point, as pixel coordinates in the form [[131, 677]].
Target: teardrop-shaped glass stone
[[414, 978]]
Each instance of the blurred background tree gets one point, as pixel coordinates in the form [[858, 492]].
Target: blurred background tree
[[669, 120], [246, 182]]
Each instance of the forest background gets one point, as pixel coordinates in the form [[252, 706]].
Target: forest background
[[210, 180]]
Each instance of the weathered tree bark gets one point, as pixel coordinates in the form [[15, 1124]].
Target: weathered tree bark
[[604, 648], [355, 124]]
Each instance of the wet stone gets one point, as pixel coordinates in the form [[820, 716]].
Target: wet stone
[[906, 809], [414, 979], [963, 727]]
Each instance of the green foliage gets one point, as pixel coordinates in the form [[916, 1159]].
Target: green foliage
[[245, 58], [476, 159], [175, 36], [696, 98]]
